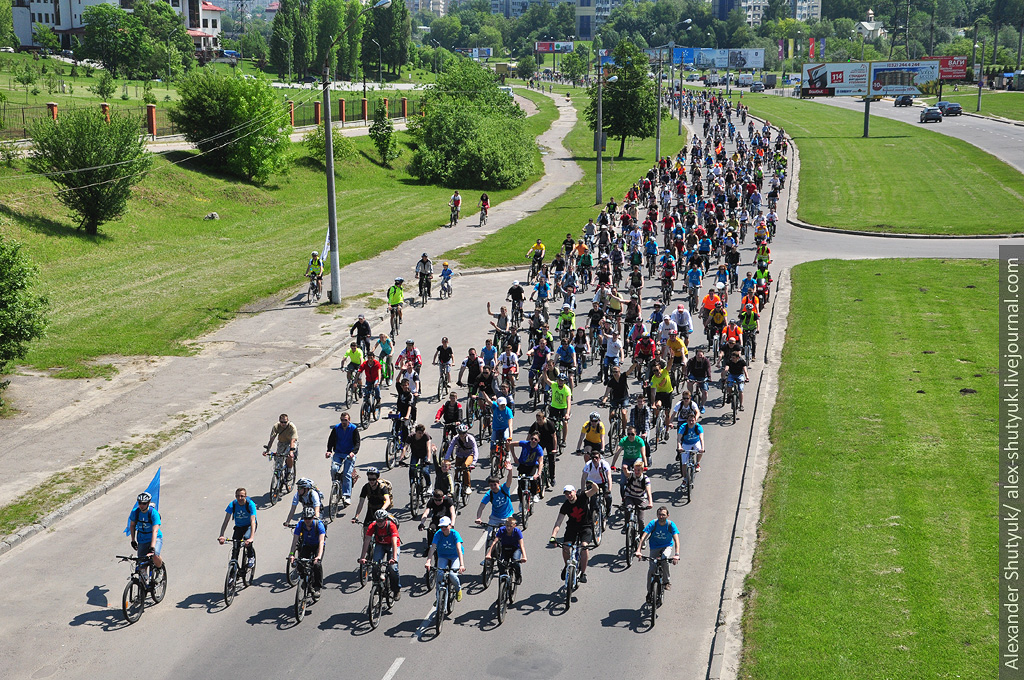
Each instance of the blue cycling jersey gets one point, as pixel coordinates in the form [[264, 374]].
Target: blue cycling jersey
[[501, 502], [501, 416], [651, 248], [704, 246], [529, 454], [660, 534], [694, 277], [565, 353], [447, 546], [243, 513], [144, 523], [690, 435]]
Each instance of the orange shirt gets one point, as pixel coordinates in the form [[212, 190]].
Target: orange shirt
[[710, 301], [731, 332], [750, 299]]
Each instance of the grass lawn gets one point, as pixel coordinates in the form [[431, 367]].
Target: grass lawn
[[878, 538], [904, 178], [162, 275], [570, 212], [993, 103]]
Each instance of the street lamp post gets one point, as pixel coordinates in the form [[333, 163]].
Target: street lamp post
[[679, 132], [599, 135], [380, 60], [332, 209], [437, 58], [657, 132], [981, 74]]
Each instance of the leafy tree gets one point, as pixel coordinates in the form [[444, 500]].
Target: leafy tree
[[445, 30], [330, 21], [382, 132], [315, 142], [94, 164], [254, 45], [7, 36], [26, 77], [630, 105], [105, 86], [575, 65], [164, 25], [237, 123], [526, 67], [45, 37], [114, 38], [22, 312]]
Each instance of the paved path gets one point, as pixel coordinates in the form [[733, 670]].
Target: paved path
[[73, 420]]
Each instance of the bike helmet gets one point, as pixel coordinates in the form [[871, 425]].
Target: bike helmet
[[515, 283], [424, 255], [718, 305], [410, 341], [309, 512], [566, 306], [750, 307], [563, 376], [143, 498], [646, 335], [444, 264], [399, 280], [595, 417], [463, 428], [305, 483], [372, 472], [673, 332], [380, 515], [720, 285], [315, 253]]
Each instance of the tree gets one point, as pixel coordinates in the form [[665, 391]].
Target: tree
[[315, 142], [254, 45], [115, 38], [382, 132], [105, 86], [22, 312], [25, 76], [164, 25], [526, 67], [630, 105], [45, 37], [237, 123], [445, 30], [93, 163], [8, 38]]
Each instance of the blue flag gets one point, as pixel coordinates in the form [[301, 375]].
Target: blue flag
[[153, 490]]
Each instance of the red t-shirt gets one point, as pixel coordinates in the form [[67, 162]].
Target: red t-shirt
[[372, 370], [383, 535]]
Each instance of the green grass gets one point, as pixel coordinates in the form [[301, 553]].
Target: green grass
[[570, 211], [904, 178], [878, 538], [993, 103], [162, 275]]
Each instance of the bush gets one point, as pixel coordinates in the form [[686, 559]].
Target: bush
[[9, 152], [105, 86], [315, 142], [22, 312], [382, 132], [114, 153], [237, 123]]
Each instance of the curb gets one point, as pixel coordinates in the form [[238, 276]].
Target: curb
[[118, 477], [793, 203], [727, 645]]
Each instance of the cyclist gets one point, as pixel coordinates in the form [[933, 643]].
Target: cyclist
[[541, 291], [593, 431], [548, 436], [373, 370], [447, 543], [501, 422], [636, 490], [565, 353], [749, 323], [698, 371], [437, 506], [580, 526], [663, 536], [675, 347], [287, 435], [421, 451], [734, 333], [539, 356], [485, 204], [536, 252], [455, 203], [383, 531], [144, 529], [499, 496], [243, 511], [451, 413], [531, 457], [396, 295], [566, 320], [599, 472], [342, 449], [508, 364], [316, 268], [377, 495], [661, 387], [616, 394], [410, 356], [446, 276], [353, 358], [361, 329], [561, 401], [443, 357], [690, 438], [509, 539], [489, 353], [310, 497], [633, 448], [516, 295], [424, 272], [715, 322], [386, 347], [463, 450], [735, 372], [643, 353], [309, 537]]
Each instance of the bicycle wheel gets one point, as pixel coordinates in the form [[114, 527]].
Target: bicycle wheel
[[598, 520], [335, 499], [363, 574], [439, 608], [375, 606], [388, 450], [488, 572], [230, 585], [159, 583], [630, 541], [524, 511], [133, 602], [735, 399], [430, 578], [396, 451], [291, 572], [570, 583], [655, 599], [414, 497], [275, 488], [249, 572], [502, 602], [687, 485], [365, 415], [300, 599]]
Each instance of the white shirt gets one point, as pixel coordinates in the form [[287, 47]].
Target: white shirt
[[508, 359], [682, 319], [613, 348], [667, 324], [594, 472]]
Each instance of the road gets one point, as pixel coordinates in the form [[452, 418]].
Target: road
[[60, 612], [1002, 140]]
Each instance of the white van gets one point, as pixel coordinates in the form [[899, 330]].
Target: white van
[[506, 88]]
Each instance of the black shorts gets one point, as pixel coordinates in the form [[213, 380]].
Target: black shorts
[[556, 413], [665, 398], [575, 531]]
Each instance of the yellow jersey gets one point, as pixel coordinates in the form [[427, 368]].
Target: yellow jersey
[[593, 433]]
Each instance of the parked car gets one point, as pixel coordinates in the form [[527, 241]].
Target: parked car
[[757, 87], [693, 77], [904, 100], [931, 113], [949, 108], [7, 49]]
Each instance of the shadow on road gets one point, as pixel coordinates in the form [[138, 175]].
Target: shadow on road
[[354, 622], [631, 619], [212, 602], [554, 603], [486, 618], [105, 619], [281, 617]]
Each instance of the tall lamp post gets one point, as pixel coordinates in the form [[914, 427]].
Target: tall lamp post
[[599, 135], [437, 57], [689, 25], [981, 73], [332, 211], [380, 60]]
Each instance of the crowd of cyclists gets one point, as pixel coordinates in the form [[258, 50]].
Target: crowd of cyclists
[[617, 304]]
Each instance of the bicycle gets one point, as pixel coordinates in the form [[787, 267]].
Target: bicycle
[[483, 217], [370, 409], [597, 509], [461, 490], [424, 289], [381, 596], [506, 587], [655, 586], [335, 498], [420, 487], [445, 598], [444, 381], [517, 314], [145, 579], [731, 395], [572, 566], [666, 291], [238, 571], [352, 389], [313, 292], [283, 477], [700, 392], [393, 450], [660, 431], [692, 295], [687, 470], [632, 529], [488, 571], [445, 291], [396, 322], [525, 494], [453, 220], [305, 595], [749, 345], [499, 456]]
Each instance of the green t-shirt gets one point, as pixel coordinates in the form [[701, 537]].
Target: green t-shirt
[[560, 396], [395, 295], [631, 450]]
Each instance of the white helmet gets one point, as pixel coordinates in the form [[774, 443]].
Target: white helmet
[[720, 286]]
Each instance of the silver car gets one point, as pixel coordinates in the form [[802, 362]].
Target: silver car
[[929, 113]]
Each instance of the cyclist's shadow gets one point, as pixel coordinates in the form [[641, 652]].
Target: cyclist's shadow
[[554, 603], [336, 405], [632, 619], [486, 617], [355, 623], [106, 619], [211, 602]]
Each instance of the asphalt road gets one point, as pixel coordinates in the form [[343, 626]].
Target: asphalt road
[[60, 610], [1002, 140]]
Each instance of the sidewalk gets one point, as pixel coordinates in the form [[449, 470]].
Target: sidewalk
[[153, 400]]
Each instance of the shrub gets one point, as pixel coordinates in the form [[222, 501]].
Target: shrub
[[315, 142], [22, 312], [382, 132]]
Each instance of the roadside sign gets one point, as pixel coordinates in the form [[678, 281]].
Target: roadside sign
[[951, 68], [840, 79], [889, 78]]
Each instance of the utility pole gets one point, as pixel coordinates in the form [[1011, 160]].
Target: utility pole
[[980, 76], [657, 133], [599, 133]]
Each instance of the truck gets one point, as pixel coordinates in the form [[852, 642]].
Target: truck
[[745, 80]]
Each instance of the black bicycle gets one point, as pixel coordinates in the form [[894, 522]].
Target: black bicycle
[[305, 595], [370, 409], [506, 587], [445, 598], [393, 450], [655, 586], [283, 477], [420, 487], [632, 530], [572, 567], [313, 293], [381, 596], [239, 570], [525, 499], [145, 579]]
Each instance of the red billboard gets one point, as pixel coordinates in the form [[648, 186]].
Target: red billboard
[[952, 68]]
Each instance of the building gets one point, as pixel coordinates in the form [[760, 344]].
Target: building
[[870, 29], [201, 18], [591, 15], [805, 10], [435, 6], [511, 9], [271, 11], [720, 8], [755, 11]]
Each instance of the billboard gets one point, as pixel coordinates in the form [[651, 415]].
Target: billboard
[[474, 52], [844, 79], [559, 47], [951, 68], [706, 57], [890, 78]]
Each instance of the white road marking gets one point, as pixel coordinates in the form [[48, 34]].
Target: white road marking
[[394, 668], [480, 543], [587, 388], [419, 631]]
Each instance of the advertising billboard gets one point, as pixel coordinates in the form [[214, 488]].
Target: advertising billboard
[[474, 52], [706, 57], [951, 68], [559, 47], [843, 79], [890, 78]]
